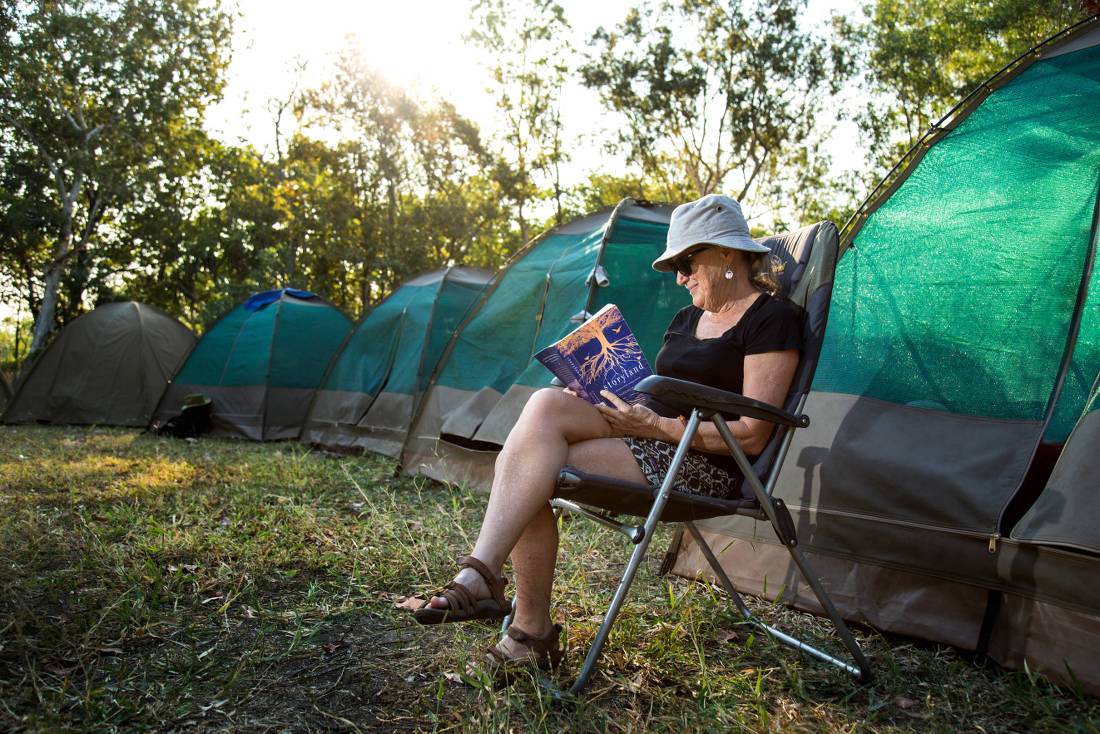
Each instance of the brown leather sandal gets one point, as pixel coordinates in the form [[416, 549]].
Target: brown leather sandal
[[545, 652], [462, 605]]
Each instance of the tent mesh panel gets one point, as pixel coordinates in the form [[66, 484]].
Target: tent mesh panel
[[959, 291]]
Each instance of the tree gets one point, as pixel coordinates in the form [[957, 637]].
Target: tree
[[921, 58], [424, 185], [714, 93], [527, 42], [95, 95]]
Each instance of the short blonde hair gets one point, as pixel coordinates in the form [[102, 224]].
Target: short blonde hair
[[764, 270]]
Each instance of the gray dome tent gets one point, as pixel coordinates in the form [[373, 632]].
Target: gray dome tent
[[108, 367]]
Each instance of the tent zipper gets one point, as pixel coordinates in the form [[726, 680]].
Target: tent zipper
[[976, 534]]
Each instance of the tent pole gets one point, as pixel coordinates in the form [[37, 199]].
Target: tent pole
[[609, 228]]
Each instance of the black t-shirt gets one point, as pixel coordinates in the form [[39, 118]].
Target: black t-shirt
[[769, 325]]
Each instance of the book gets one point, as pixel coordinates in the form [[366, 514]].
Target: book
[[600, 354]]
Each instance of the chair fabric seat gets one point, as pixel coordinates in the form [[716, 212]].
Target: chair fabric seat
[[636, 498]]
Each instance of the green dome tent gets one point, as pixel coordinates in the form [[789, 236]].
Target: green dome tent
[[108, 367], [963, 339], [260, 364], [369, 395], [487, 372]]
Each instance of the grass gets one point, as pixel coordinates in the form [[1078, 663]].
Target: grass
[[157, 584]]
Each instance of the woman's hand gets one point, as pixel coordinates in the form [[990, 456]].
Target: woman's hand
[[629, 420]]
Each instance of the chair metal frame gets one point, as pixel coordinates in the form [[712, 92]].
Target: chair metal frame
[[763, 507]]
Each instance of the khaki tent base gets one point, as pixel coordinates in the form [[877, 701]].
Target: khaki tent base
[[450, 463], [254, 412], [1049, 637]]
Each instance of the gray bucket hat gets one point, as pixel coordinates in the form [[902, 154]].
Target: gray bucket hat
[[711, 220]]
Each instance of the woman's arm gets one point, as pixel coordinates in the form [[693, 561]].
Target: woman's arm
[[767, 379]]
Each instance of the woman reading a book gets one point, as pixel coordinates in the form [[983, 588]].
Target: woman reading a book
[[735, 336]]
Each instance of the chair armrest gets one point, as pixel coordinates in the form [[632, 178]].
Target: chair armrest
[[684, 396]]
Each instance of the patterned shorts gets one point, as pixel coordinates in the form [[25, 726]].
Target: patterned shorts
[[697, 475]]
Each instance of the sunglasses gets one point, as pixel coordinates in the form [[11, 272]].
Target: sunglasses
[[682, 264]]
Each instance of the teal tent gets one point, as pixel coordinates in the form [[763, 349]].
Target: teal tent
[[107, 367], [260, 364], [372, 387], [487, 372], [962, 343]]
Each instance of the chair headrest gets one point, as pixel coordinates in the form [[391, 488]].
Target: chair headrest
[[807, 251]]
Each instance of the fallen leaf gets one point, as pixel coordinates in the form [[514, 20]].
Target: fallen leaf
[[62, 671], [414, 525], [110, 651], [410, 602], [185, 567], [728, 636], [453, 677], [330, 647], [904, 703]]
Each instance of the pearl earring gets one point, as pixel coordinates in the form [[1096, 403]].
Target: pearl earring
[[729, 273]]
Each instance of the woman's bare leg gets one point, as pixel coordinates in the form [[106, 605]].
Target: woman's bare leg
[[525, 473], [548, 434], [536, 552]]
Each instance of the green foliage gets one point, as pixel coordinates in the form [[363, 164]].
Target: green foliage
[[422, 187], [920, 58], [526, 43], [97, 101], [604, 189], [718, 96], [14, 345]]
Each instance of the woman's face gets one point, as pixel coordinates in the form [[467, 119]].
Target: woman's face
[[709, 288]]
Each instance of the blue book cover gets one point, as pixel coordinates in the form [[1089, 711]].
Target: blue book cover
[[600, 354]]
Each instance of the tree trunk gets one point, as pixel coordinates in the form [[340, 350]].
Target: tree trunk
[[43, 322], [522, 222]]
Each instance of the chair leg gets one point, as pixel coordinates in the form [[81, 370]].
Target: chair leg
[[862, 672], [635, 559], [784, 528]]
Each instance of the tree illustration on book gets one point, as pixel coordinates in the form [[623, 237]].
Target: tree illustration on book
[[605, 344], [600, 354]]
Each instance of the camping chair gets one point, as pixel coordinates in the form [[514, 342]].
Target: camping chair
[[809, 256]]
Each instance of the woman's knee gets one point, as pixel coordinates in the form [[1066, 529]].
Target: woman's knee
[[547, 401], [545, 407]]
